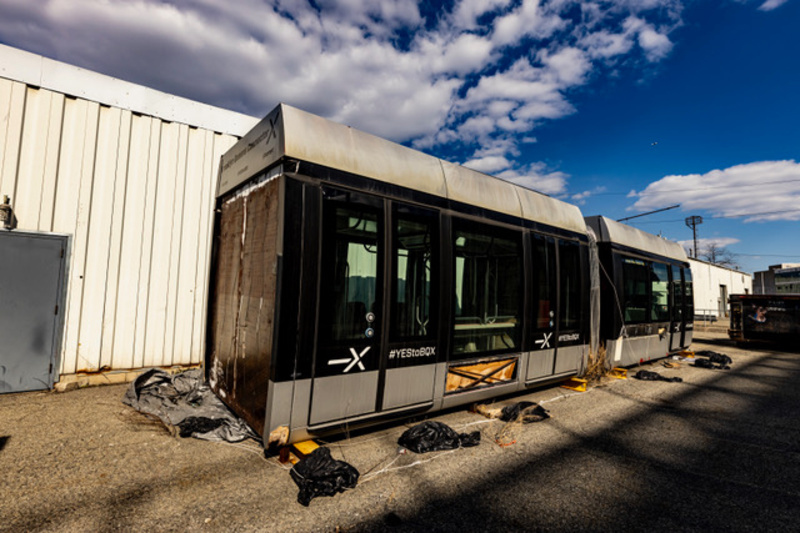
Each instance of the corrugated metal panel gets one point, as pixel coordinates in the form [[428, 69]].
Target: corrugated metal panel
[[136, 195], [12, 101]]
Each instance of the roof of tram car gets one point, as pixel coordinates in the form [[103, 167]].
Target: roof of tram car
[[290, 132]]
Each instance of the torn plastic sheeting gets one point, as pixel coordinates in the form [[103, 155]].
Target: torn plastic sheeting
[[185, 402], [431, 436], [646, 375], [321, 475]]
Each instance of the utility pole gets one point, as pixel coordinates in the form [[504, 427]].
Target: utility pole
[[692, 222]]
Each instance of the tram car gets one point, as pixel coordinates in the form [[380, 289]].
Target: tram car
[[356, 280], [647, 302]]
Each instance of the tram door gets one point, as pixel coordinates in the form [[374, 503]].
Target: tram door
[[346, 365], [676, 326], [411, 350], [377, 330], [683, 308]]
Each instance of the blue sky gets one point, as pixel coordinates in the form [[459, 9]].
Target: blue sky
[[618, 106]]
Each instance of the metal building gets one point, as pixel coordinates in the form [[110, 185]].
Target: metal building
[[713, 284], [126, 175]]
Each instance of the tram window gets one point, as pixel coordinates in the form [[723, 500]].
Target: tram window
[[413, 258], [688, 293], [659, 285], [544, 278], [349, 270], [488, 290], [677, 294], [570, 282], [636, 278]]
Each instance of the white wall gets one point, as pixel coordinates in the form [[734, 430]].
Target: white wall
[[135, 192], [707, 279]]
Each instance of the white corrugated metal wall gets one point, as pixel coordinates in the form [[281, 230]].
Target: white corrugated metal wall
[[707, 282], [136, 194]]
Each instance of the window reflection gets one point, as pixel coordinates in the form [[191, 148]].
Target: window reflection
[[488, 290]]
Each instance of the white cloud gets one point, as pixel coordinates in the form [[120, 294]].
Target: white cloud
[[466, 13], [760, 191], [531, 18], [488, 164], [602, 44], [444, 81], [703, 244], [580, 198], [655, 44], [769, 5], [537, 177]]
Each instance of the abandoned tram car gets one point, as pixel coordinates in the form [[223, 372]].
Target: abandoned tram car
[[354, 279]]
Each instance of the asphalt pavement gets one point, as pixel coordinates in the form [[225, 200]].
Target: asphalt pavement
[[718, 452]]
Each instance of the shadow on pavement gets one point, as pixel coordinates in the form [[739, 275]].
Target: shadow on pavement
[[739, 471]]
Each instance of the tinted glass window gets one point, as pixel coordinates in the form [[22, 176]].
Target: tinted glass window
[[677, 294], [688, 293], [349, 273], [488, 289], [413, 263], [544, 280], [636, 282], [659, 286], [570, 281]]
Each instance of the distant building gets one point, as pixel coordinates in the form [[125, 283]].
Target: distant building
[[787, 280], [712, 286], [779, 279]]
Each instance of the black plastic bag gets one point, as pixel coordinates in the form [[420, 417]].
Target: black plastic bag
[[198, 425], [646, 375], [431, 436], [525, 412], [719, 359], [722, 360], [321, 475]]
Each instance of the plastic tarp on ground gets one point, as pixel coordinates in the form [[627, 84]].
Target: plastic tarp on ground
[[185, 402]]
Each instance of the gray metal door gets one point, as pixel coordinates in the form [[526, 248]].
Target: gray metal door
[[32, 267]]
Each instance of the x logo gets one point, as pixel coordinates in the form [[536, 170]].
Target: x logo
[[545, 342], [357, 359]]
